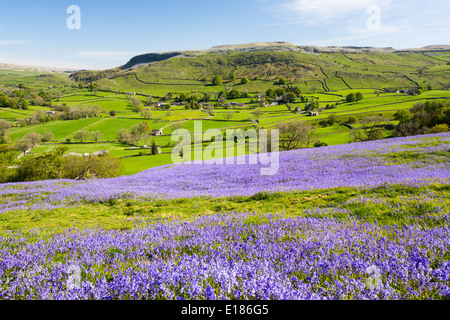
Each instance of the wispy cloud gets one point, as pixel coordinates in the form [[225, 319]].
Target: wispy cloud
[[12, 42], [323, 11]]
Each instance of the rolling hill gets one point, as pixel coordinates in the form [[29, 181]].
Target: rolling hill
[[308, 67]]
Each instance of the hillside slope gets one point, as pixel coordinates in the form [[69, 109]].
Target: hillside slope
[[310, 68]]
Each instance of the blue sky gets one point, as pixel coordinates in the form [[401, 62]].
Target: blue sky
[[35, 32]]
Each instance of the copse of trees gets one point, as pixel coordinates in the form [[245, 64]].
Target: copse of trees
[[135, 134], [55, 165], [423, 117], [353, 97]]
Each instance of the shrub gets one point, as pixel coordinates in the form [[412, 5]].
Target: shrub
[[352, 120], [439, 128], [319, 144]]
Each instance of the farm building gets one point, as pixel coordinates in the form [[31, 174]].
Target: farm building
[[313, 114], [156, 132]]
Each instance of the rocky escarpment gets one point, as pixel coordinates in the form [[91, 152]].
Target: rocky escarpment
[[149, 58]]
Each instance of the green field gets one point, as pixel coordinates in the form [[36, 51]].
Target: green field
[[327, 77]]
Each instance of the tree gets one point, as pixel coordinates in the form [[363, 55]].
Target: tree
[[147, 113], [351, 97], [168, 96], [352, 120], [290, 97], [217, 81], [280, 91], [4, 127], [183, 97], [359, 96], [7, 159], [229, 115], [294, 135], [48, 136], [81, 135], [282, 81], [233, 94], [332, 119], [210, 108], [271, 93], [257, 112], [154, 148], [42, 167], [319, 144], [96, 135], [137, 103], [402, 116], [140, 131], [33, 139], [22, 104], [123, 135], [372, 128], [245, 80], [206, 97], [112, 113]]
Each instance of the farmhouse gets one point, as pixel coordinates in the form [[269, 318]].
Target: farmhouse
[[50, 112], [298, 109], [156, 132], [313, 114]]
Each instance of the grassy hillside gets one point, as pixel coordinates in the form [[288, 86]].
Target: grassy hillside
[[328, 71]]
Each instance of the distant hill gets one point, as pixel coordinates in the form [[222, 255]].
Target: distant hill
[[327, 68], [5, 66]]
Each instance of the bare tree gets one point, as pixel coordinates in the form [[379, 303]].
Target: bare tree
[[257, 112], [96, 135], [147, 113], [294, 135], [372, 128], [29, 141], [229, 115]]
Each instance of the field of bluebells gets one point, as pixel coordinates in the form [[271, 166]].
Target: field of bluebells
[[323, 253]]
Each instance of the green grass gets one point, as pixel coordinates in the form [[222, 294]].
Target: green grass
[[364, 204], [60, 129]]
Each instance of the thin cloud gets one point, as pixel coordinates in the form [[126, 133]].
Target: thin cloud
[[323, 11]]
